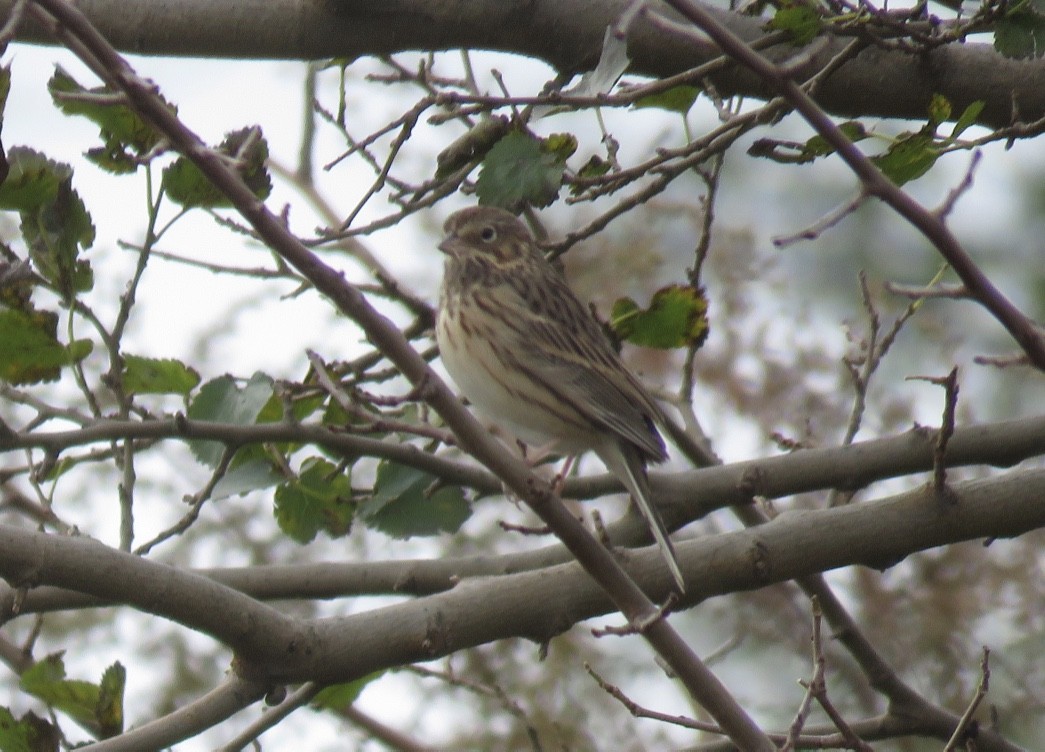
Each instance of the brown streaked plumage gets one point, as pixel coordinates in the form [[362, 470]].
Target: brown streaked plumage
[[530, 356]]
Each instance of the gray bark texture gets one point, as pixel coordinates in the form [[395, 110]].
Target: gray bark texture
[[568, 35]]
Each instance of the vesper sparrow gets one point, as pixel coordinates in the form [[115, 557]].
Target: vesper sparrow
[[530, 356]]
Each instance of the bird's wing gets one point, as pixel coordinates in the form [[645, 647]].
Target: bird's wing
[[576, 357]]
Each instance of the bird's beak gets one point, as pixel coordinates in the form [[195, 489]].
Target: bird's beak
[[448, 245]]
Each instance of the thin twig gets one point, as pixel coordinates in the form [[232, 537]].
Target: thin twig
[[966, 723], [642, 712], [946, 431], [196, 502]]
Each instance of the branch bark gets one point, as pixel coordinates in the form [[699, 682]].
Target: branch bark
[[878, 534], [682, 497], [567, 34], [687, 495]]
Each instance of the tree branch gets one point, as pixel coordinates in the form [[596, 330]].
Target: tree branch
[[878, 534], [683, 497], [568, 35], [84, 565], [795, 544]]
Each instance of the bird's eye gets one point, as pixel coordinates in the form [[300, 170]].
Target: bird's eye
[[488, 234]]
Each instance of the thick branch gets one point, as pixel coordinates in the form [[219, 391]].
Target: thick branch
[[87, 566], [683, 497], [877, 534], [568, 35]]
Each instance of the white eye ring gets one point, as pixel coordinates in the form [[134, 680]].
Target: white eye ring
[[488, 234]]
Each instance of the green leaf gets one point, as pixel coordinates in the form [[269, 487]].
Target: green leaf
[[402, 507], [14, 735], [29, 348], [818, 146], [676, 99], [968, 118], [272, 411], [98, 707], [303, 407], [32, 181], [910, 157], [340, 696], [252, 474], [222, 401], [319, 499], [593, 168], [800, 19], [157, 376], [5, 88], [30, 734], [188, 186], [336, 416], [55, 222], [1020, 33], [560, 146], [939, 109], [185, 184], [676, 317], [55, 233], [127, 138], [252, 466], [517, 172], [109, 710], [77, 699], [394, 480]]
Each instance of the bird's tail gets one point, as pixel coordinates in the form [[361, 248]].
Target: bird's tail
[[628, 466]]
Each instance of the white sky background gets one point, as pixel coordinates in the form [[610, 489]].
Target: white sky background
[[177, 303]]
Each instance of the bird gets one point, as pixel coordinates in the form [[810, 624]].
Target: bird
[[532, 358]]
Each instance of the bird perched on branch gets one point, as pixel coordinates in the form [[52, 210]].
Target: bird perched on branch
[[531, 357]]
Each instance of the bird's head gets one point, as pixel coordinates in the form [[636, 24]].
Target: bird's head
[[486, 232]]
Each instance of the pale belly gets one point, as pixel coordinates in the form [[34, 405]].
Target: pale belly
[[510, 399]]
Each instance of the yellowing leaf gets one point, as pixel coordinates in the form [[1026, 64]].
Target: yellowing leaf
[[800, 19], [676, 317], [29, 348], [910, 157]]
